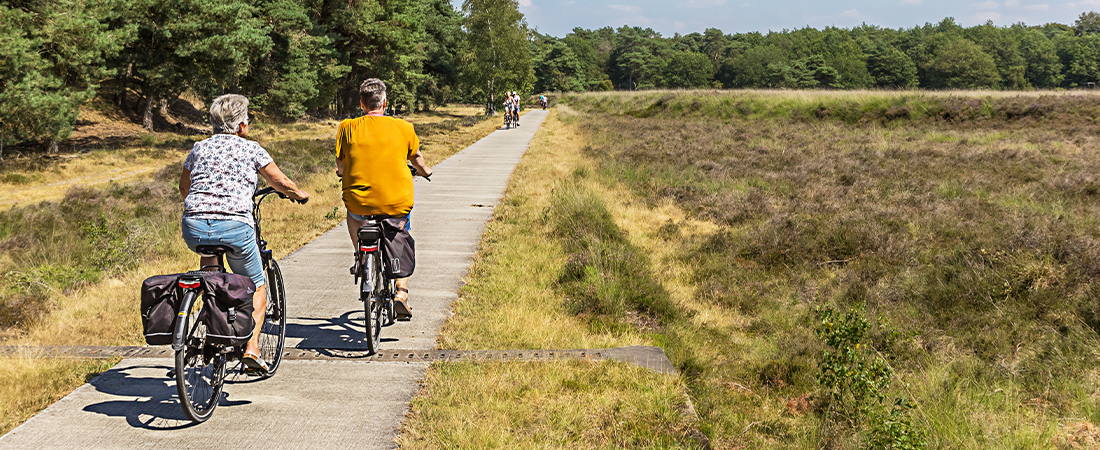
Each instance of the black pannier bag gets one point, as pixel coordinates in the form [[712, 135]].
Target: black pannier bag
[[228, 316], [160, 302], [398, 248]]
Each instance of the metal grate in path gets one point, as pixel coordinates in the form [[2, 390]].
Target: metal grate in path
[[652, 358]]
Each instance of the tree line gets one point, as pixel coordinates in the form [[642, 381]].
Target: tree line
[[944, 55], [296, 57], [290, 57]]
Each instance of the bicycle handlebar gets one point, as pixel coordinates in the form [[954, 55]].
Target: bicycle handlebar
[[415, 173], [270, 190]]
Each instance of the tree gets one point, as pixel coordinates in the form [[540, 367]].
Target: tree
[[495, 55], [688, 70], [891, 68], [1081, 56], [1004, 46], [53, 56], [638, 58], [1043, 68], [750, 69], [1087, 23], [806, 73], [957, 63]]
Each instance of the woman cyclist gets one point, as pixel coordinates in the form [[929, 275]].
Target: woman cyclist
[[219, 178]]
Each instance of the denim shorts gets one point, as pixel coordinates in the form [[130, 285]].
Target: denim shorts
[[245, 258], [408, 223]]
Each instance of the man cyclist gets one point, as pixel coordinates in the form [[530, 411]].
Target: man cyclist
[[371, 156], [516, 106], [542, 101], [218, 180]]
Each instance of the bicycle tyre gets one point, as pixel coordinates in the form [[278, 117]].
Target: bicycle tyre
[[200, 376], [273, 331], [372, 305]]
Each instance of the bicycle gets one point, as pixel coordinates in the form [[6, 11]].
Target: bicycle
[[200, 365], [376, 289], [508, 119]]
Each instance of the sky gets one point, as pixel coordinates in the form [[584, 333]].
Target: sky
[[559, 17]]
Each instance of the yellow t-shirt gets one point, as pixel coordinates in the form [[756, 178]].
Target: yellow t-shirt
[[374, 151]]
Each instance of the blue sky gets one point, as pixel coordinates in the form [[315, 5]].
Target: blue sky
[[558, 17]]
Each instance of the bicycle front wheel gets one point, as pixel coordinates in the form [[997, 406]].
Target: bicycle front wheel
[[273, 331], [200, 367]]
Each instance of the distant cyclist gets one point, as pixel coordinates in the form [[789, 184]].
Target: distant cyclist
[[509, 107], [542, 101], [371, 156], [516, 102]]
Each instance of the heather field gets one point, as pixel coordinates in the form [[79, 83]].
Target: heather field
[[826, 269], [889, 268]]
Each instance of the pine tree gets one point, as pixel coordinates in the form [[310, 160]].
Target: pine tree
[[53, 56]]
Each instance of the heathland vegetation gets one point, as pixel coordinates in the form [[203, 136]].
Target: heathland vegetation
[[827, 270]]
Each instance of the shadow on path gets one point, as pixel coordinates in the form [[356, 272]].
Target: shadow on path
[[335, 333], [147, 400]]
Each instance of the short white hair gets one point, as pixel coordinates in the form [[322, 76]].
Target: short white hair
[[228, 112]]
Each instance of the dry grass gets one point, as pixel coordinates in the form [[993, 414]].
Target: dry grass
[[67, 299], [512, 300], [497, 308], [579, 404], [32, 384]]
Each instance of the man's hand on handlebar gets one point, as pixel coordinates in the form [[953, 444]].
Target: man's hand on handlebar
[[417, 172]]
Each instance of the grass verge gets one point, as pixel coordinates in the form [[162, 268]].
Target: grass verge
[[550, 219]]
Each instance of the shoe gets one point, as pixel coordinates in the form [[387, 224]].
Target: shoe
[[401, 310], [254, 364]]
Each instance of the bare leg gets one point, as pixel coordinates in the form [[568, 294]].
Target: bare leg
[[402, 289], [353, 230], [259, 301]]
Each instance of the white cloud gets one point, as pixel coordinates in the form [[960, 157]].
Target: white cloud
[[849, 14], [630, 15], [988, 4], [745, 5], [702, 3], [912, 2], [1012, 3], [1084, 4], [678, 25], [524, 2], [1039, 7]]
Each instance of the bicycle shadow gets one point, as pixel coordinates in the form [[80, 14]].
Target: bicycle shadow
[[151, 400], [338, 333]]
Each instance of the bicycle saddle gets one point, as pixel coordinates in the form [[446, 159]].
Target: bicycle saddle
[[213, 250]]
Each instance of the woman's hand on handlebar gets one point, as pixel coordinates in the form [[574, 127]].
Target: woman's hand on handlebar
[[303, 197]]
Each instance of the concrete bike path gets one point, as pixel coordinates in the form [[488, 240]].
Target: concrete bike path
[[309, 404]]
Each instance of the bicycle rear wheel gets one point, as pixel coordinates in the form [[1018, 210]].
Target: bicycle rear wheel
[[372, 304], [273, 331], [200, 367]]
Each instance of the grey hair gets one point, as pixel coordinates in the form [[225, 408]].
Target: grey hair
[[227, 112]]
